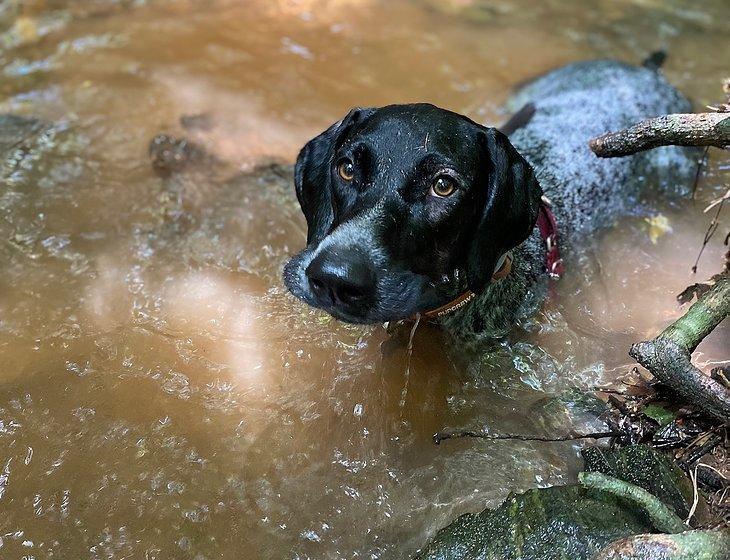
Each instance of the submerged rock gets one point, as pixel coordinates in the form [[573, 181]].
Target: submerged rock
[[541, 524], [170, 155], [16, 130], [564, 522]]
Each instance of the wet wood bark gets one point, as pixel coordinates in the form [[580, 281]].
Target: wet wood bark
[[689, 129], [661, 515], [690, 545], [669, 356]]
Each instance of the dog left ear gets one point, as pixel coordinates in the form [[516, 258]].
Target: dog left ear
[[312, 174], [509, 206]]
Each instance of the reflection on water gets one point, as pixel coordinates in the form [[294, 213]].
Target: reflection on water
[[162, 396]]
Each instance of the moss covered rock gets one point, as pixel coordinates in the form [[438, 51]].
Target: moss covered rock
[[562, 522], [565, 522]]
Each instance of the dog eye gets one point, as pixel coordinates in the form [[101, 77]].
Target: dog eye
[[443, 186], [346, 170]]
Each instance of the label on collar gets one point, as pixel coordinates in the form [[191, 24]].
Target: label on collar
[[450, 307], [504, 267]]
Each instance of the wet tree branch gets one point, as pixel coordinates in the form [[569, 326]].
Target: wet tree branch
[[687, 129], [440, 436], [690, 545], [669, 356], [661, 516]]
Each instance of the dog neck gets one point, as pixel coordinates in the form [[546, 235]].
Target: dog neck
[[546, 226], [493, 313], [501, 271]]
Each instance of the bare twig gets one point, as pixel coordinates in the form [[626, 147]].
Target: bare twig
[[440, 436], [711, 229], [695, 495], [700, 165], [718, 200], [699, 447], [682, 129]]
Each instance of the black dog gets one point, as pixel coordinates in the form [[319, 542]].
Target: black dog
[[415, 209]]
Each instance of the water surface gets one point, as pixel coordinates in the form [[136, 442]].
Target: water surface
[[162, 396]]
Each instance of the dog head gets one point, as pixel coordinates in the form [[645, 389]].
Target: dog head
[[400, 203]]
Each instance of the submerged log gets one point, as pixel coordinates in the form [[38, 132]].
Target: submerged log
[[669, 356], [689, 129]]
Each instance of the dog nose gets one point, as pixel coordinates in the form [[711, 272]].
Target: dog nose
[[341, 279]]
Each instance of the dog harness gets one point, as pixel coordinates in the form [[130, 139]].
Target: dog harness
[[548, 227]]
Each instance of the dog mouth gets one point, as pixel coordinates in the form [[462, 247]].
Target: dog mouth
[[345, 317]]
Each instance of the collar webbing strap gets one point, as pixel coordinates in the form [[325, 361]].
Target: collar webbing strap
[[503, 270]]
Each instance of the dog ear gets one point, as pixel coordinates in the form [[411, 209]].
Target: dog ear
[[509, 201], [313, 175]]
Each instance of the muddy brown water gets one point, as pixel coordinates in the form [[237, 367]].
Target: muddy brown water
[[161, 396]]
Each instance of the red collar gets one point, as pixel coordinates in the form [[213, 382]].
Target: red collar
[[548, 227]]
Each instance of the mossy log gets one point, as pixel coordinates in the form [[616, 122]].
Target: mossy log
[[684, 129], [661, 515], [690, 545], [669, 356], [647, 468]]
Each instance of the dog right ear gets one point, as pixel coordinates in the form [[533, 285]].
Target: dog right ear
[[509, 207], [313, 175]]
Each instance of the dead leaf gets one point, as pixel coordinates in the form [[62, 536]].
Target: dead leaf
[[658, 226]]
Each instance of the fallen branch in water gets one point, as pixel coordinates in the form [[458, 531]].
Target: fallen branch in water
[[690, 545], [438, 437], [683, 129], [669, 356], [661, 516]]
